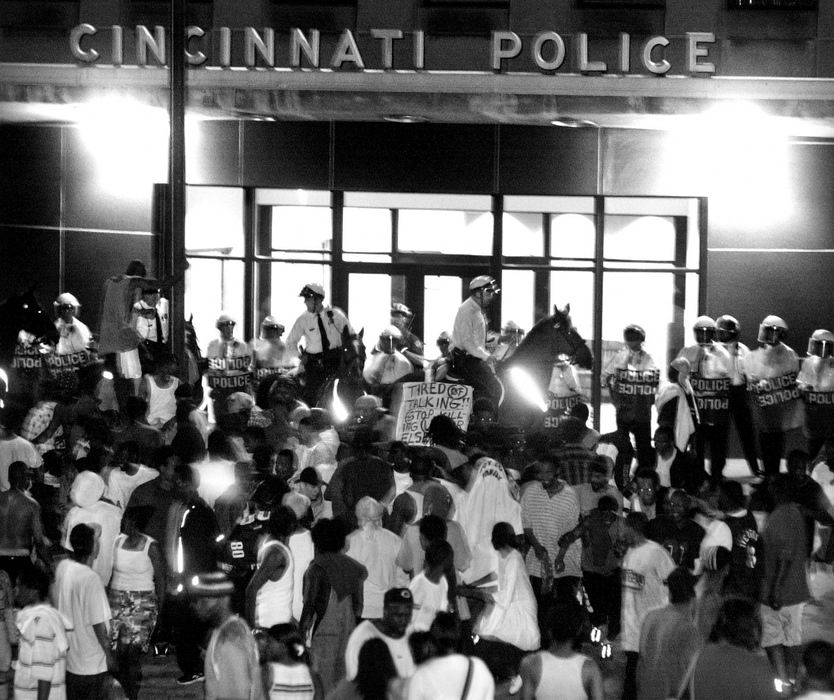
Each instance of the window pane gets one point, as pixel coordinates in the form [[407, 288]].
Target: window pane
[[441, 301], [445, 231], [366, 230], [523, 235], [287, 281], [302, 228], [572, 236], [518, 297], [576, 289], [369, 301], [214, 221], [640, 238], [212, 286]]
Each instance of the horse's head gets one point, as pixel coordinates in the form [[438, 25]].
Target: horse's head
[[352, 352], [551, 338], [24, 312]]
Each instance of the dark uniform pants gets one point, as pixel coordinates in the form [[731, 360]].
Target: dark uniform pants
[[743, 420], [477, 374]]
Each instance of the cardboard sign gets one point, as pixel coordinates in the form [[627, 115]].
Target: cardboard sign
[[633, 382], [774, 391], [712, 394], [416, 403]]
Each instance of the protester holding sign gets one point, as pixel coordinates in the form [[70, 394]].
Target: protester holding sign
[[632, 376], [816, 382], [771, 373], [710, 381], [418, 402]]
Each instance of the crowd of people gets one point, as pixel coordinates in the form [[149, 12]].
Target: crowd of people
[[278, 552]]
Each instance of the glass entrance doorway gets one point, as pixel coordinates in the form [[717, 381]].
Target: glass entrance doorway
[[615, 260]]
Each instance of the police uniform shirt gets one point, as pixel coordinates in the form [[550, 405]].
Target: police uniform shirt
[[306, 326], [711, 362], [626, 359], [469, 331], [219, 349], [738, 355], [145, 322], [74, 337]]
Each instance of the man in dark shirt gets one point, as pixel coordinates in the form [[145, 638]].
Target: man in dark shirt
[[574, 459], [677, 532], [148, 437]]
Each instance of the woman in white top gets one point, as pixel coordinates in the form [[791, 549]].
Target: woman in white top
[[136, 587], [269, 595], [561, 672]]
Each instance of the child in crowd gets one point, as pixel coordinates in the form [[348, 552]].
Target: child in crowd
[[286, 667], [431, 587]]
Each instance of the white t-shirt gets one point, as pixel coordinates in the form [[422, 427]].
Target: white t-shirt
[[644, 571], [80, 596], [400, 651], [429, 599], [444, 677], [121, 485]]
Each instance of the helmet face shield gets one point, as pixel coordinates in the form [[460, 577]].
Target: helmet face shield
[[820, 348], [704, 335], [770, 335]]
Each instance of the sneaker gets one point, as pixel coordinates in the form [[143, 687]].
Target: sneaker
[[188, 679]]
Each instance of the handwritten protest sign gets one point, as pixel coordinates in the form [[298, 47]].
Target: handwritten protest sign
[[416, 403]]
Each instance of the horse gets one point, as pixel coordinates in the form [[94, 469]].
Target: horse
[[194, 364], [551, 339], [21, 312], [341, 390]]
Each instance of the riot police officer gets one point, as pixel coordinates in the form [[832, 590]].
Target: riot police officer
[[816, 382]]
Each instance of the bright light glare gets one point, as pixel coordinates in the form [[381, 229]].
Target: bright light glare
[[129, 141], [528, 388], [340, 413], [107, 374], [738, 156]]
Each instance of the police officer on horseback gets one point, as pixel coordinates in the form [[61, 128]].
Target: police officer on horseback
[[470, 358], [324, 330], [408, 344]]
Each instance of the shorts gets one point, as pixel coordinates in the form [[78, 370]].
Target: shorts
[[783, 626], [128, 365]]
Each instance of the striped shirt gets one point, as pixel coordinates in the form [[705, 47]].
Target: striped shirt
[[550, 517], [43, 652]]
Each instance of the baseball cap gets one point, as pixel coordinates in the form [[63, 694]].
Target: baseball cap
[[311, 289], [368, 401], [398, 595], [210, 585]]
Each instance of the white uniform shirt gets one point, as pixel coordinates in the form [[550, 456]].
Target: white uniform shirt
[[74, 337], [738, 356], [145, 323], [469, 331], [306, 326], [712, 361]]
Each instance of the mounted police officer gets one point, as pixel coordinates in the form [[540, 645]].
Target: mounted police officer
[[727, 330], [229, 361], [323, 330], [471, 360]]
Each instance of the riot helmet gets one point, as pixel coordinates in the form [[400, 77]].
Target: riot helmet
[[634, 333], [772, 330], [821, 343], [726, 328], [704, 330]]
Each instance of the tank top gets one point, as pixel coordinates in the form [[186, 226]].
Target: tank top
[[132, 568], [162, 404], [273, 603], [291, 682], [561, 678]]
